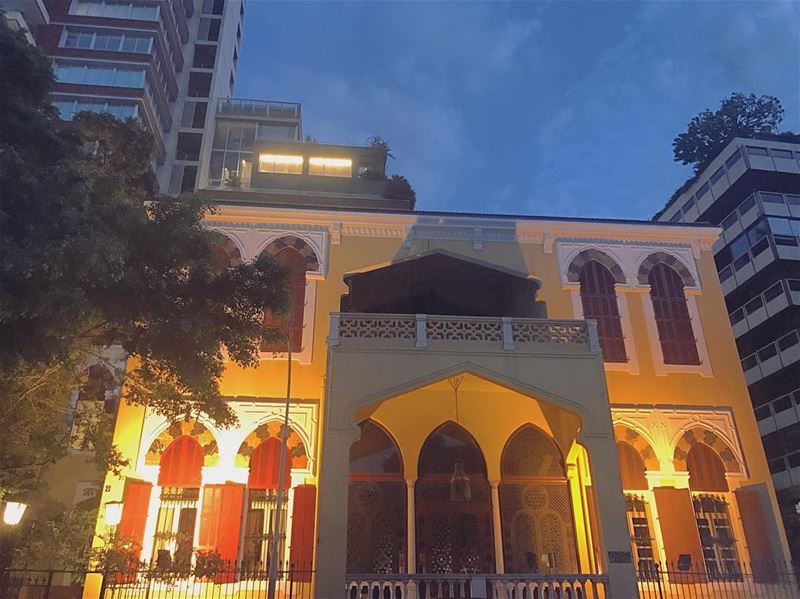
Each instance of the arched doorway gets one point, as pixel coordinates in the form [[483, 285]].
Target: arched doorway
[[535, 505], [710, 496], [453, 505], [180, 477], [376, 504], [634, 483], [262, 498]]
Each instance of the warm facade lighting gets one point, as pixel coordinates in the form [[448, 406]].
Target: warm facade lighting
[[113, 513], [13, 512], [280, 163], [331, 167]]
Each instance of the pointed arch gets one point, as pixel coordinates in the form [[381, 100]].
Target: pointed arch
[[697, 434], [301, 246], [447, 443], [191, 428], [591, 254], [454, 530], [267, 430], [226, 251], [376, 503], [669, 260], [375, 453], [535, 507], [264, 472], [626, 434], [530, 452]]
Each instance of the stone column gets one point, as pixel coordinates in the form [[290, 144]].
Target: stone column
[[331, 558], [411, 529], [499, 563], [613, 522]]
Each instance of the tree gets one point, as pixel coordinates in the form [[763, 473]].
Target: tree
[[738, 116], [398, 188], [90, 257]]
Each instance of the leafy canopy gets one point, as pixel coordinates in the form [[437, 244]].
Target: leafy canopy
[[90, 257], [738, 116]]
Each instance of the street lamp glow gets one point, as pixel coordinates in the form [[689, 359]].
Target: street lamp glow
[[13, 512], [113, 513]]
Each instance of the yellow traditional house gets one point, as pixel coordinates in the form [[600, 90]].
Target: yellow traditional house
[[480, 405]]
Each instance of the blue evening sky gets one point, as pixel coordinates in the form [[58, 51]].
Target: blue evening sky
[[557, 108]]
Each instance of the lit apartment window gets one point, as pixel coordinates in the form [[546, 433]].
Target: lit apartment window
[[330, 167], [115, 9], [280, 163]]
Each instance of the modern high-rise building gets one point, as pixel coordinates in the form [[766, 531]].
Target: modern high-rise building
[[168, 62], [752, 189]]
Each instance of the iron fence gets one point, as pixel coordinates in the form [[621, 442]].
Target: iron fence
[[755, 580], [294, 582]]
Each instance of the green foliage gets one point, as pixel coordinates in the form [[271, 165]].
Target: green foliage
[[92, 257], [738, 116], [398, 188], [60, 538], [115, 555]]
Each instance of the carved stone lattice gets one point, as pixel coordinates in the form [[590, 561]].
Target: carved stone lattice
[[550, 332], [376, 526], [537, 522], [464, 330], [377, 328]]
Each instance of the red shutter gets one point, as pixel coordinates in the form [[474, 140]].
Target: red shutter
[[679, 531], [220, 523], [135, 505], [599, 300], [265, 466], [673, 322], [294, 262], [181, 463], [758, 531], [301, 552]]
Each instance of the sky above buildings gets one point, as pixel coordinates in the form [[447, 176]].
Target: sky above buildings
[[557, 108]]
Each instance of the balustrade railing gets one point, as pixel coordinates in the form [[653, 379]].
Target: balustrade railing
[[491, 586], [421, 329]]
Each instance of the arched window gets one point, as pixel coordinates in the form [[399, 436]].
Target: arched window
[[453, 505], [675, 332], [535, 508], [262, 485], [180, 477], [709, 488], [599, 299], [292, 323], [631, 468], [376, 504]]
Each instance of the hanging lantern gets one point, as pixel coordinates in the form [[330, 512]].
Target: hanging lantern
[[460, 489]]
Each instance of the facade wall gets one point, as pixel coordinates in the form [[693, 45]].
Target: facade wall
[[660, 401]]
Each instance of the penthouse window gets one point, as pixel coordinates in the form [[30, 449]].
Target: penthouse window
[[330, 167], [287, 164]]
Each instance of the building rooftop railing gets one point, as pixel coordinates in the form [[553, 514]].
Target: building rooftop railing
[[258, 108]]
